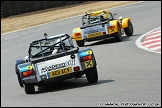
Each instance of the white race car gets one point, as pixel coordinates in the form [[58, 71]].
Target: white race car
[[54, 59]]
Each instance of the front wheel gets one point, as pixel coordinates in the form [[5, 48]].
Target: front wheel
[[129, 30], [80, 43], [29, 88], [92, 75]]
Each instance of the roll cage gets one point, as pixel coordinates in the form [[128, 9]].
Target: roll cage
[[96, 17], [44, 47]]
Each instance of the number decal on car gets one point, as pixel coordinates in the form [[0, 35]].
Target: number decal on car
[[88, 64]]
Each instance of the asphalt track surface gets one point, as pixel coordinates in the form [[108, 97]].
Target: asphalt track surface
[[128, 75]]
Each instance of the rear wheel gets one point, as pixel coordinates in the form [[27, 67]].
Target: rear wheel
[[19, 80], [29, 88], [92, 75], [118, 35], [17, 71], [129, 30], [80, 43]]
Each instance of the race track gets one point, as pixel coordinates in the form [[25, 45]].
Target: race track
[[127, 74]]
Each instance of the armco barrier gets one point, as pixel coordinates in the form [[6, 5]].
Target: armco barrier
[[9, 8]]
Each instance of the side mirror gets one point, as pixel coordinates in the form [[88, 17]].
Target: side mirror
[[45, 35], [114, 14], [26, 58]]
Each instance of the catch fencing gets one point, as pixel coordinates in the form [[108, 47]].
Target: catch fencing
[[10, 8]]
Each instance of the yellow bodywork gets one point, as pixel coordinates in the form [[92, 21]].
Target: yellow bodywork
[[114, 23], [112, 26], [78, 36], [125, 22], [97, 13]]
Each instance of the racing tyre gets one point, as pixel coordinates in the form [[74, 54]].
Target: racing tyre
[[19, 80], [29, 88], [17, 71], [92, 75], [80, 43], [118, 35], [129, 30]]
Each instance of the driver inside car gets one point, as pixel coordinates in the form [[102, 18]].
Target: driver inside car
[[59, 47]]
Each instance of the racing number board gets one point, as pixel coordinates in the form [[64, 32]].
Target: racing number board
[[88, 64]]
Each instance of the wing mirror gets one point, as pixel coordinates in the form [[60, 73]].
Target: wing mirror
[[114, 14], [26, 58], [45, 35]]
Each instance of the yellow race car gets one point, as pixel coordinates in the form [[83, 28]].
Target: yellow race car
[[100, 25]]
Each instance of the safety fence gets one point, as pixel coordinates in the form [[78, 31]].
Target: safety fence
[[9, 8]]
